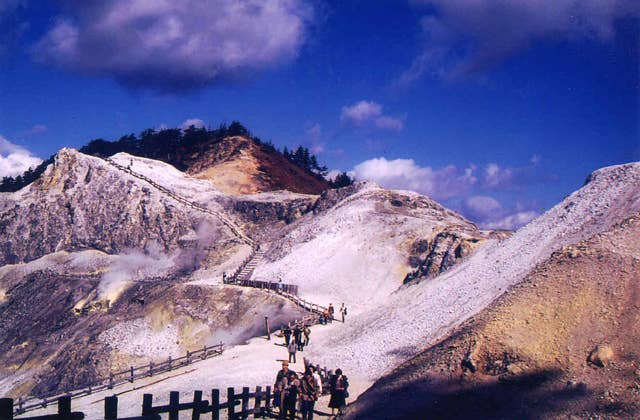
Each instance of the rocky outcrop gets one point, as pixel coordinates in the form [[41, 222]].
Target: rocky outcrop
[[261, 213], [432, 257], [80, 202]]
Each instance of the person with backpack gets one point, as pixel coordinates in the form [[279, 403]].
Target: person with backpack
[[282, 379], [308, 394], [291, 392], [287, 335], [343, 312], [339, 393]]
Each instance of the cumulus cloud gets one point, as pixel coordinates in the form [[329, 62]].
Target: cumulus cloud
[[14, 159], [499, 177], [369, 113], [463, 37], [481, 207], [439, 184], [489, 213], [196, 122], [511, 221], [468, 190], [177, 44]]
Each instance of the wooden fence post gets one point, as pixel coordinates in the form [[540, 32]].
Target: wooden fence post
[[174, 405], [215, 404], [197, 399], [245, 400], [6, 408], [111, 408], [110, 386], [169, 363], [151, 368], [20, 404], [267, 404], [266, 323], [188, 357], [147, 404], [231, 403], [64, 405], [257, 401], [131, 371]]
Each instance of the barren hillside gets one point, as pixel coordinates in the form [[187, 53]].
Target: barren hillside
[[373, 343], [562, 343]]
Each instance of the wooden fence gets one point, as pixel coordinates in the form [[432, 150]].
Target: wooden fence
[[237, 405], [116, 378], [288, 289]]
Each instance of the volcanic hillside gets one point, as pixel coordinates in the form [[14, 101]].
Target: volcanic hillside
[[239, 165], [102, 256], [233, 160], [563, 342], [421, 313]]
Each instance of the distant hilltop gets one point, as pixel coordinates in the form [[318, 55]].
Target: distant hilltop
[[230, 157]]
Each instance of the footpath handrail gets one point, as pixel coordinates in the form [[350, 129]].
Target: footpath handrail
[[228, 223], [114, 379]]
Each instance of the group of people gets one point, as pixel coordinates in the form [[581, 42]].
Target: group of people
[[328, 315], [292, 393], [295, 338]]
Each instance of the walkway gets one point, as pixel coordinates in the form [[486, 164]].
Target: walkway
[[235, 229]]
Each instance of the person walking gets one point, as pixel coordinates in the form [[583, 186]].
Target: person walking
[[339, 385], [316, 377], [331, 312], [307, 332], [287, 335], [343, 312], [298, 335], [291, 391], [292, 347], [308, 394], [279, 387]]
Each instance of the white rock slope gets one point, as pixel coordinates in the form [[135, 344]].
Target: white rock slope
[[376, 341]]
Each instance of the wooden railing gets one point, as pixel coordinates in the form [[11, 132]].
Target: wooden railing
[[238, 405], [117, 378]]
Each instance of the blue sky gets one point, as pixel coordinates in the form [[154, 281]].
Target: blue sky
[[495, 108]]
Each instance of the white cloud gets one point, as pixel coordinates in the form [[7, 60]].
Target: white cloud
[[463, 37], [481, 207], [369, 113], [35, 130], [511, 221], [489, 213], [439, 184], [177, 44], [455, 186], [389, 123], [14, 159], [196, 122], [496, 176]]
